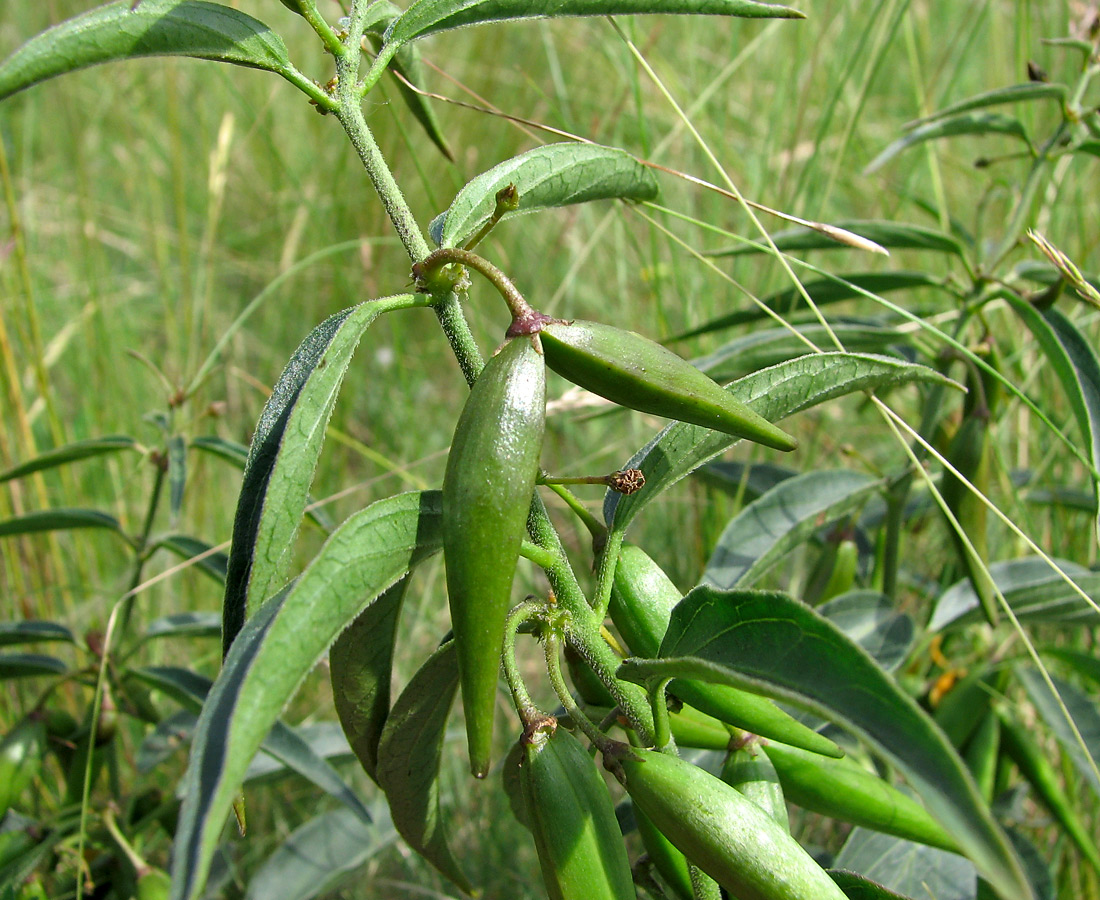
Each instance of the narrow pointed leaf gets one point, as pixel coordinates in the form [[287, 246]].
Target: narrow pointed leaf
[[962, 125], [426, 17], [1084, 664], [1083, 712], [911, 870], [70, 453], [553, 175], [277, 648], [212, 564], [29, 665], [773, 393], [773, 644], [319, 853], [891, 235], [408, 760], [870, 619], [187, 624], [155, 28], [177, 473], [859, 887], [786, 516], [33, 631], [283, 458], [1088, 147], [325, 739], [230, 451], [1016, 93], [824, 292], [60, 520], [360, 668], [1031, 587]]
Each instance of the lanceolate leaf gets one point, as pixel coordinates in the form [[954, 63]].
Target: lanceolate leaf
[[554, 175], [185, 547], [773, 393], [33, 631], [187, 624], [911, 870], [858, 887], [773, 644], [154, 28], [824, 292], [426, 17], [964, 124], [1016, 93], [177, 473], [1082, 710], [892, 235], [283, 458], [277, 648], [870, 619], [27, 665], [409, 755], [770, 527], [60, 520], [69, 453]]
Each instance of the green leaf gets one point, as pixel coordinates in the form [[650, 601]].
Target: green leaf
[[33, 631], [772, 644], [360, 669], [773, 393], [892, 235], [283, 458], [1090, 147], [70, 453], [962, 125], [824, 292], [744, 480], [185, 547], [1086, 665], [277, 648], [29, 665], [408, 760], [319, 853], [177, 473], [60, 520], [549, 176], [786, 516], [1081, 709], [1016, 93], [230, 451], [869, 619], [325, 739], [187, 624], [1033, 590], [426, 17], [766, 347], [859, 887], [155, 28], [911, 870]]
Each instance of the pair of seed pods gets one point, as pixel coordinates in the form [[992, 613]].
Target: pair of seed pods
[[494, 462]]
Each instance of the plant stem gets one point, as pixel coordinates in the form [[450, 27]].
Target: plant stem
[[425, 268], [142, 543], [595, 526], [552, 643], [526, 708], [540, 557]]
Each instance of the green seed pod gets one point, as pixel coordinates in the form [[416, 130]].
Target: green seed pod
[[487, 492], [721, 831], [638, 373], [844, 790], [21, 754], [750, 770], [580, 847], [982, 752], [153, 884], [642, 600], [669, 862], [692, 728]]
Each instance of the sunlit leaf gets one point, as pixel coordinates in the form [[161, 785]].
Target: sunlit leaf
[[1016, 93], [187, 548], [69, 453], [60, 520], [892, 235], [961, 125]]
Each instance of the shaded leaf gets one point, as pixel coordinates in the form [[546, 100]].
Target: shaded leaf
[[772, 644], [230, 451], [912, 870], [32, 631], [277, 648], [786, 516], [426, 17], [28, 665], [773, 393], [1085, 665], [164, 741], [548, 176], [1032, 588], [869, 619], [1016, 93], [408, 760], [177, 473], [319, 853], [1089, 147], [325, 739], [360, 669], [964, 124], [70, 453], [155, 28], [283, 458], [60, 520], [187, 624], [892, 235], [859, 887], [185, 547], [824, 292], [747, 480]]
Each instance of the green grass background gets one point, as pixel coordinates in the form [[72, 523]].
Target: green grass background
[[155, 199]]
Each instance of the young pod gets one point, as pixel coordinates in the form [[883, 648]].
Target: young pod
[[721, 831], [750, 770], [580, 847], [669, 862], [638, 373], [844, 790], [642, 600], [487, 492]]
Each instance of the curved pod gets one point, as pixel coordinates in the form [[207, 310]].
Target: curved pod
[[487, 492]]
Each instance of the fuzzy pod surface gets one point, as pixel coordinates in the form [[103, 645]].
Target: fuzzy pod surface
[[633, 371], [487, 489], [580, 847]]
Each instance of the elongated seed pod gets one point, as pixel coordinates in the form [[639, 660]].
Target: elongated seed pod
[[669, 862], [982, 752], [721, 831], [580, 847], [638, 373], [843, 790], [642, 600], [750, 770], [487, 492]]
